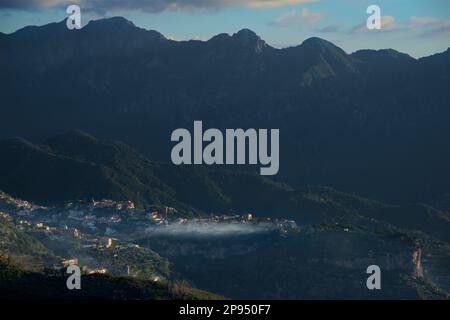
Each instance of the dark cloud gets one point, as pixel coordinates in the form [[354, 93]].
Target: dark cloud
[[21, 4], [147, 5]]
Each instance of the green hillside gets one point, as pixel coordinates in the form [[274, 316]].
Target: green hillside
[[15, 283], [77, 165], [22, 248]]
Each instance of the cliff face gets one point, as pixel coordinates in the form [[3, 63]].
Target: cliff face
[[417, 262]]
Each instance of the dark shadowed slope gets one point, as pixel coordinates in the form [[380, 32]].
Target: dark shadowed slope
[[77, 165], [371, 122]]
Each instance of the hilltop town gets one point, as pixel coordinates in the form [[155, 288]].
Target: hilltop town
[[101, 235]]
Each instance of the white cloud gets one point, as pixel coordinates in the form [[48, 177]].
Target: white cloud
[[387, 24], [429, 26], [309, 16], [421, 26], [296, 16], [284, 17]]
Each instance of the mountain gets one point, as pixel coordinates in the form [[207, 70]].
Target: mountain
[[323, 263], [19, 284], [371, 123], [23, 249], [339, 235], [77, 165], [364, 165]]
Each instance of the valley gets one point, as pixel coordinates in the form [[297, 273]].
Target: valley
[[256, 257], [357, 175]]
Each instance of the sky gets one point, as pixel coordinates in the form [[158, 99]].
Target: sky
[[416, 27]]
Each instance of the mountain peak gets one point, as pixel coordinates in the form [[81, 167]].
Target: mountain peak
[[390, 54], [247, 37], [113, 23], [73, 136], [220, 37], [319, 47], [320, 44], [246, 34], [54, 27], [315, 41], [120, 24]]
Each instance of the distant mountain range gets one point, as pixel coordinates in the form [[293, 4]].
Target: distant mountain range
[[374, 123]]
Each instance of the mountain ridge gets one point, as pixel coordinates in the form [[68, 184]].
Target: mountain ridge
[[119, 22], [361, 123]]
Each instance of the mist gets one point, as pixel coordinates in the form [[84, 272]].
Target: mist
[[210, 229]]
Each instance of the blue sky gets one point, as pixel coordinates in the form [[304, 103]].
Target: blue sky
[[417, 27]]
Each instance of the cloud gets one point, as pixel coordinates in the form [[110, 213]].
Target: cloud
[[309, 16], [284, 17], [429, 26], [274, 3], [422, 21], [296, 16], [387, 24], [30, 4], [420, 26], [148, 5]]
